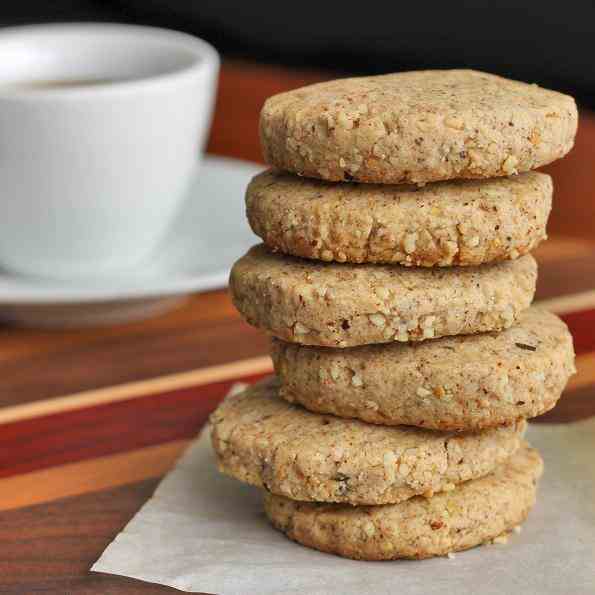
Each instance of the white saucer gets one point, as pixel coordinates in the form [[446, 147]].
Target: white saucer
[[210, 234]]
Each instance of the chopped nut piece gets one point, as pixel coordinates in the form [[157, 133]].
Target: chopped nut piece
[[378, 152], [428, 333], [335, 372], [382, 293], [428, 321], [409, 243], [508, 315], [404, 469], [451, 247], [388, 333], [389, 458], [369, 529], [377, 320], [344, 121], [509, 165], [356, 380], [455, 122], [300, 329]]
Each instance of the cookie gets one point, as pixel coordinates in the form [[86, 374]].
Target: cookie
[[449, 223], [417, 127], [473, 513], [467, 382], [264, 441], [343, 305]]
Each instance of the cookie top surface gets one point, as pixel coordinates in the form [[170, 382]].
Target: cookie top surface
[[265, 441], [417, 127], [473, 513], [455, 383], [343, 305], [465, 222]]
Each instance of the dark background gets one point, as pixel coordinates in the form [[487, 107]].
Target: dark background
[[543, 42]]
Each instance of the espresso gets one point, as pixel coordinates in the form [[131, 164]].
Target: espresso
[[40, 85]]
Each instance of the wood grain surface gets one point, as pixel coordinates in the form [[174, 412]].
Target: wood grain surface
[[91, 419]]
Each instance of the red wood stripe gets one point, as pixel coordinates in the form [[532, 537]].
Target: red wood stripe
[[136, 423], [582, 327], [108, 429]]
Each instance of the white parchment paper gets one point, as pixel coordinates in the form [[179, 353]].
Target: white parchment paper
[[207, 533]]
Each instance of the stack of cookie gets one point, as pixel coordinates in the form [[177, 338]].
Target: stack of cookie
[[407, 357]]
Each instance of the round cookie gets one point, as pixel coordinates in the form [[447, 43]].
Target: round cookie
[[473, 513], [343, 305], [417, 127], [264, 441], [455, 383], [465, 222]]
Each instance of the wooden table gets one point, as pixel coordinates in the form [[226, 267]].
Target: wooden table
[[93, 418]]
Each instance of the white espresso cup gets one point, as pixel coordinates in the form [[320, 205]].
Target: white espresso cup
[[101, 131]]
